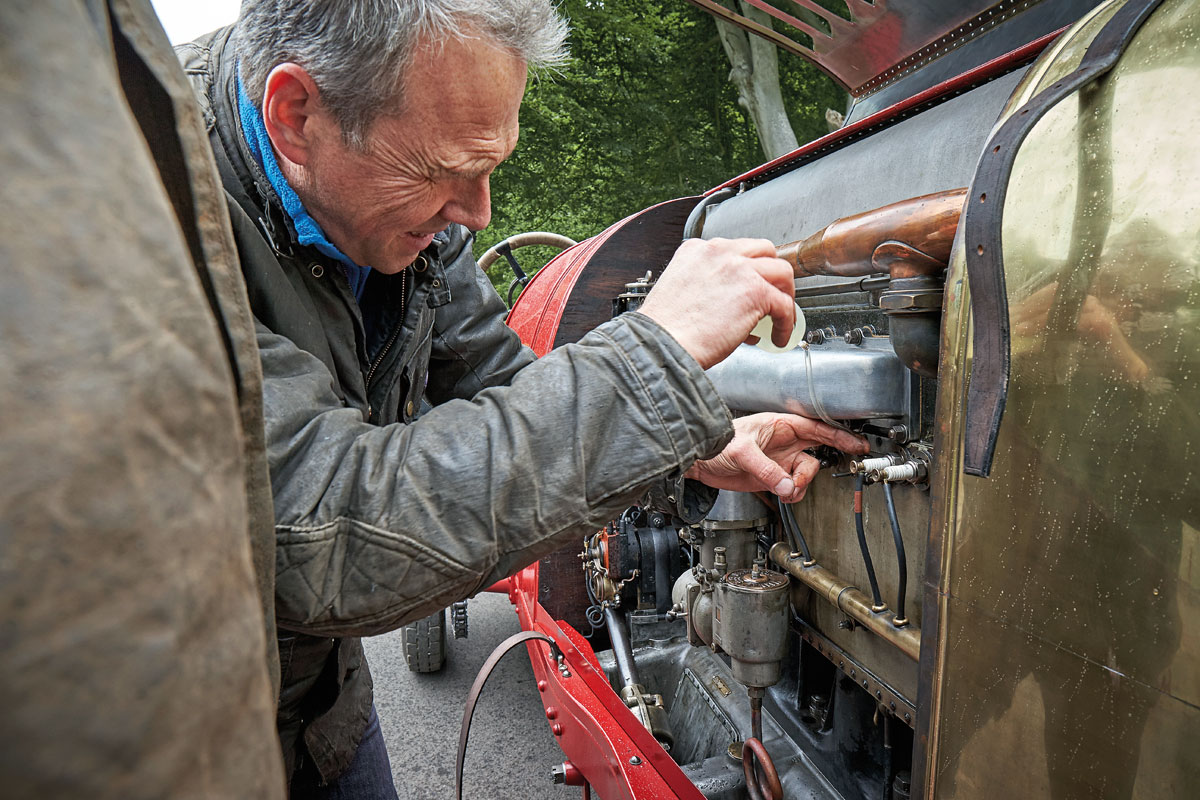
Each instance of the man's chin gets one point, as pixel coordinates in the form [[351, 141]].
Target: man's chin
[[396, 263]]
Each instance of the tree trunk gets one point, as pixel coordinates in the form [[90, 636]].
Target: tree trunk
[[755, 73]]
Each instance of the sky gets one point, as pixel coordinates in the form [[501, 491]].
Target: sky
[[184, 20]]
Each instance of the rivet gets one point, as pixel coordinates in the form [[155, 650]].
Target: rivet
[[408, 408], [635, 761], [542, 685], [317, 270], [436, 283], [551, 713], [557, 729]]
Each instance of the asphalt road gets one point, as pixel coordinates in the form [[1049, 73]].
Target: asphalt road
[[511, 748]]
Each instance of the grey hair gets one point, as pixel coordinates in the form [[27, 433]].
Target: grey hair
[[357, 51]]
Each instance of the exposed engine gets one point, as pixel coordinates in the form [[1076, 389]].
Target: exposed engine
[[749, 608]]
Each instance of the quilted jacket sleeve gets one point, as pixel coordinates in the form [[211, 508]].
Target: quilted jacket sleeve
[[377, 526]]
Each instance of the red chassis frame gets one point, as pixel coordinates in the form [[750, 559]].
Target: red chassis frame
[[604, 742]]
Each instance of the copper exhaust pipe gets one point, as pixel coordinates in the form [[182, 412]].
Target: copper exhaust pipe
[[906, 239]]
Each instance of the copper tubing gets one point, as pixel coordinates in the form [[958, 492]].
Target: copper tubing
[[905, 239], [851, 601], [764, 787]]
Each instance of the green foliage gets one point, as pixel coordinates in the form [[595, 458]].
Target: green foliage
[[643, 113]]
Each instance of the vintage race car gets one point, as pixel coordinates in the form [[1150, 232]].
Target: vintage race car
[[998, 259]]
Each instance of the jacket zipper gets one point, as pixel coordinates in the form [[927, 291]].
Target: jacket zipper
[[395, 334]]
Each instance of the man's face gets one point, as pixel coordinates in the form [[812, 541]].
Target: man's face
[[423, 168]]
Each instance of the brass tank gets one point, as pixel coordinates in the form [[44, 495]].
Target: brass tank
[[1067, 584]]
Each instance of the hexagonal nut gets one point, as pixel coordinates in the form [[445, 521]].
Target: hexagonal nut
[[898, 301]]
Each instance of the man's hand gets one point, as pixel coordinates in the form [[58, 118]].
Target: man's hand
[[767, 453], [715, 290]]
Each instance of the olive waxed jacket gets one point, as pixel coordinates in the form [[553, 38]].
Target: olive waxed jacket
[[380, 522], [137, 636]]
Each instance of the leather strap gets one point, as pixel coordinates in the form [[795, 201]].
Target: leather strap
[[477, 687], [988, 392]]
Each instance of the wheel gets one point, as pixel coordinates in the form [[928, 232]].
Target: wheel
[[425, 643], [505, 248]]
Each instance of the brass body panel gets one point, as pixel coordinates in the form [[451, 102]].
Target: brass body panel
[[1068, 626]]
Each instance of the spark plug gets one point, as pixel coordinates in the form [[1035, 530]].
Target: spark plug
[[908, 472], [870, 465]]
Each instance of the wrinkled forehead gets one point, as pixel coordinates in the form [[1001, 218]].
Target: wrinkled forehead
[[462, 78]]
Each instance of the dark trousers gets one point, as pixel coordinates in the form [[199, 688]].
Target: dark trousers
[[369, 776]]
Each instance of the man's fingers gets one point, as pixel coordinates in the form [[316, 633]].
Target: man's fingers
[[803, 473], [751, 248], [772, 477], [781, 306], [815, 430]]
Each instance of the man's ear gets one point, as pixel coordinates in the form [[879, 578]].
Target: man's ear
[[292, 112]]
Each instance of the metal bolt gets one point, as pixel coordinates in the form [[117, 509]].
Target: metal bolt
[[854, 336], [635, 761], [898, 434], [816, 336]]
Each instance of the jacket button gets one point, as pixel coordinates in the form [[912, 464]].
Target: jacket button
[[408, 409]]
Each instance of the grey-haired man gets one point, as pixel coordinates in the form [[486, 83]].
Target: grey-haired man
[[355, 140]]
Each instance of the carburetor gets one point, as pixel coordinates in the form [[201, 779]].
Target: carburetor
[[750, 623]]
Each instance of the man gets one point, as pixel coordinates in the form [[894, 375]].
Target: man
[[137, 640], [356, 141]]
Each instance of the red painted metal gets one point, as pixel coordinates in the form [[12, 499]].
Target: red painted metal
[[536, 314], [595, 730], [979, 75]]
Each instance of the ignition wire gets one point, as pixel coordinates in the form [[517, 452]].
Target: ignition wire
[[876, 599], [901, 559]]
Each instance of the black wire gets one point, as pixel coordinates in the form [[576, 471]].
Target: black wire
[[901, 559], [862, 541], [795, 535]]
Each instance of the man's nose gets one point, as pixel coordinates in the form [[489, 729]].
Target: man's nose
[[471, 205]]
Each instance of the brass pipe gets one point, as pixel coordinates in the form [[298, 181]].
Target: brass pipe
[[850, 600], [905, 239]]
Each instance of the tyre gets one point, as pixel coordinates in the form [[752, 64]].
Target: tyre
[[425, 643]]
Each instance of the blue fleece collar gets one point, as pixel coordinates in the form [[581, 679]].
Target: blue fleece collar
[[308, 232]]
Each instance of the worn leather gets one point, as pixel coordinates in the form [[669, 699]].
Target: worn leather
[[137, 645], [383, 518]]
